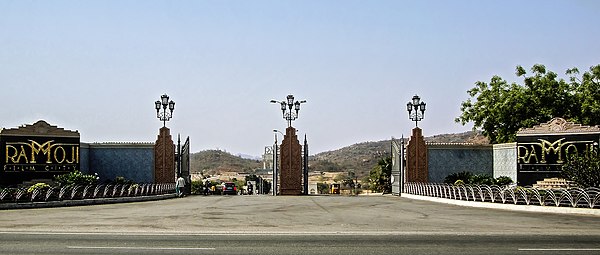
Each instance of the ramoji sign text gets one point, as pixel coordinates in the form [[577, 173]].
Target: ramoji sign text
[[41, 155], [552, 152], [39, 151], [542, 156]]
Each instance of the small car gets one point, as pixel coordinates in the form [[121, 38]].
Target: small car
[[229, 188]]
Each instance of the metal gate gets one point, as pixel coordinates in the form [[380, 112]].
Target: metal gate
[[397, 178]]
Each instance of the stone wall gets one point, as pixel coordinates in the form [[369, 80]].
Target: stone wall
[[448, 158], [134, 161]]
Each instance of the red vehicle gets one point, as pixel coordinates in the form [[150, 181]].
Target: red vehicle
[[229, 188]]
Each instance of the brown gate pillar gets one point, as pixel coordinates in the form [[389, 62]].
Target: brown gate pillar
[[164, 157], [291, 164], [416, 158]]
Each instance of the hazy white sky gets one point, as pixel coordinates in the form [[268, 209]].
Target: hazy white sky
[[98, 66]]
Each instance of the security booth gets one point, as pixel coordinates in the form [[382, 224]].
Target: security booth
[[37, 152]]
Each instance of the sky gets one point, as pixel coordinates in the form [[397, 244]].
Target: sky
[[99, 66]]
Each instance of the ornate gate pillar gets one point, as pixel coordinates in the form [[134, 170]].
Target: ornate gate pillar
[[291, 164], [416, 165], [164, 157]]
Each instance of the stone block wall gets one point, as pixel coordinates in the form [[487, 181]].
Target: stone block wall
[[134, 161], [448, 158]]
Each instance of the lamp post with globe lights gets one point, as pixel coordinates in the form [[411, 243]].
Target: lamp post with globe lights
[[416, 109], [164, 103], [289, 108]]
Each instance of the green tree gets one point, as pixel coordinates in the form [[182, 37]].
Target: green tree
[[500, 109], [323, 188], [379, 177], [587, 94], [583, 170]]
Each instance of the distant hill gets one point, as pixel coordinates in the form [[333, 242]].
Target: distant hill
[[217, 161], [360, 157]]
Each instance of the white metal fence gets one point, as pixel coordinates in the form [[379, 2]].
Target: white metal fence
[[573, 197], [84, 192]]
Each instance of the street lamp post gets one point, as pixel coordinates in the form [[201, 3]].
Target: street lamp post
[[416, 110], [289, 108], [275, 162], [164, 103]]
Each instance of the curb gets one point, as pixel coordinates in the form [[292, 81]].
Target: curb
[[83, 202], [511, 207]]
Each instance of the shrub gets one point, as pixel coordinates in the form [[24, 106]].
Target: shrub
[[197, 187], [122, 180], [464, 176], [583, 170], [76, 178], [482, 179], [40, 186], [503, 181]]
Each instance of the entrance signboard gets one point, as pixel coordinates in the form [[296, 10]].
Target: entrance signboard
[[543, 149], [38, 151]]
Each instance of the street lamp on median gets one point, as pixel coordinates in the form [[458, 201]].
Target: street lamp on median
[[416, 109], [275, 151], [289, 108], [164, 103]]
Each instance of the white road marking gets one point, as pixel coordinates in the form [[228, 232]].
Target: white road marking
[[559, 249], [137, 248], [268, 233]]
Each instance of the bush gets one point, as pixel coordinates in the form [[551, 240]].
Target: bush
[[503, 181], [477, 179], [76, 178], [464, 176], [40, 186], [583, 170], [197, 187], [122, 180], [482, 179]]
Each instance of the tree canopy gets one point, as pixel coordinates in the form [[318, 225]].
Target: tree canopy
[[380, 176], [500, 109]]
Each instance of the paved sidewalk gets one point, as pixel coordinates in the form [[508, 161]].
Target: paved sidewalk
[[512, 207]]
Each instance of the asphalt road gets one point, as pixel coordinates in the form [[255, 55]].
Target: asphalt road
[[294, 244], [293, 225]]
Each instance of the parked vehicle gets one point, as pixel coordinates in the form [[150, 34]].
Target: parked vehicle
[[229, 188], [335, 188]]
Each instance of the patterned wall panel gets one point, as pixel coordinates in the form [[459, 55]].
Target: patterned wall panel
[[505, 160], [445, 159], [134, 161]]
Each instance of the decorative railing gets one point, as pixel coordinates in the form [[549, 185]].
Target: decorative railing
[[573, 197], [78, 192]]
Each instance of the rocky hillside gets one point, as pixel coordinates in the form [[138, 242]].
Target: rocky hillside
[[217, 161], [360, 157]]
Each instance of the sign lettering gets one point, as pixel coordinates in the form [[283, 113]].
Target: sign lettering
[[49, 156]]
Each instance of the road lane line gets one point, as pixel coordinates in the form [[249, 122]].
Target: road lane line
[[137, 248], [559, 249]]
